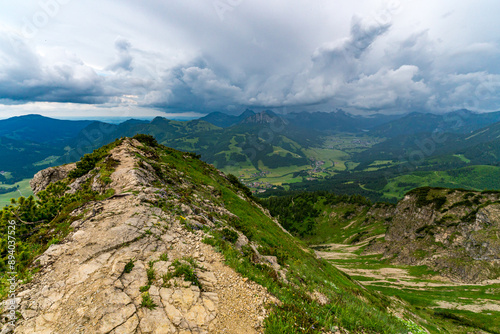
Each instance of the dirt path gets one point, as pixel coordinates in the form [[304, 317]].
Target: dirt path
[[480, 306]]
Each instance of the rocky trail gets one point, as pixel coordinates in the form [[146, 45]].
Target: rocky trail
[[94, 281]]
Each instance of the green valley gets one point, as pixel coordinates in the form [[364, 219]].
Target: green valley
[[358, 237]]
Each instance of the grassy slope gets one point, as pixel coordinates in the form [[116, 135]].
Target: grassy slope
[[307, 273], [349, 305], [342, 223], [472, 178], [341, 233], [458, 308]]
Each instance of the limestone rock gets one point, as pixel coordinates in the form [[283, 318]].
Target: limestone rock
[[47, 176], [83, 286]]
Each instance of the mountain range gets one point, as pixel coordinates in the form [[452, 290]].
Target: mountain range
[[137, 237], [266, 141]]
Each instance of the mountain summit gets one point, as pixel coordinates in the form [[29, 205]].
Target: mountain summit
[[140, 238], [264, 117]]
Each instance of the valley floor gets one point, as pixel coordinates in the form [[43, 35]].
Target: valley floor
[[24, 190], [461, 306]]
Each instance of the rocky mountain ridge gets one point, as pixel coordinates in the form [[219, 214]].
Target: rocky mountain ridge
[[100, 296], [454, 232], [152, 240]]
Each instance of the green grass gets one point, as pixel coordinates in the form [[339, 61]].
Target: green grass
[[461, 157], [334, 159], [473, 178], [335, 152], [51, 213], [47, 161], [304, 271], [184, 268], [427, 300], [350, 305], [147, 302], [24, 190], [342, 223]]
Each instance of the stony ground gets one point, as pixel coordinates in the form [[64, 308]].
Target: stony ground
[[83, 286]]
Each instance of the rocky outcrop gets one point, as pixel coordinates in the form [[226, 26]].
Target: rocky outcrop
[[453, 232], [116, 271], [46, 176]]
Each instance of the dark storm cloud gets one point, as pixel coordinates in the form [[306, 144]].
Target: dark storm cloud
[[27, 77], [377, 55]]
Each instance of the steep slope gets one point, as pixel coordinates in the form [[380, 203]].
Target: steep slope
[[139, 238], [451, 231], [454, 232]]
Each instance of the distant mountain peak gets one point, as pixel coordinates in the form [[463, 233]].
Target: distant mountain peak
[[247, 113], [264, 117], [223, 120]]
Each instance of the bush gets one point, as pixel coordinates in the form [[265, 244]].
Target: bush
[[234, 181], [147, 301], [184, 269], [229, 235], [424, 197], [147, 140], [128, 267], [88, 161]]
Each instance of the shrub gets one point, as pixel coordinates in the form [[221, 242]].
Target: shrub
[[424, 197], [128, 267], [229, 235], [88, 161], [184, 269], [147, 140]]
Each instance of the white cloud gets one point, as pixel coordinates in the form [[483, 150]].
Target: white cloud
[[180, 55], [387, 89]]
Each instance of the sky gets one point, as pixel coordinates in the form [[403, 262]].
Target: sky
[[186, 58]]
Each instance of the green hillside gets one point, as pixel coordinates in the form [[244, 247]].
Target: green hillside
[[473, 178], [350, 232]]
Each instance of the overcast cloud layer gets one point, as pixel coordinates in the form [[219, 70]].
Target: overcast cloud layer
[[142, 58]]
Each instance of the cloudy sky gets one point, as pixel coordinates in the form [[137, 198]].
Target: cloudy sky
[[123, 58]]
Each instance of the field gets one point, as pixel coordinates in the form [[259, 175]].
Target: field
[[47, 161], [24, 190], [338, 166], [332, 157]]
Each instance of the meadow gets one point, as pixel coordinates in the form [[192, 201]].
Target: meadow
[[24, 190]]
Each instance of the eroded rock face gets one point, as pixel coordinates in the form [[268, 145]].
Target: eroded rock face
[[47, 176], [459, 239], [84, 286]]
